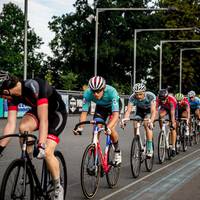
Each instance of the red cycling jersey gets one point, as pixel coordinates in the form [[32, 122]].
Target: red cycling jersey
[[169, 104], [184, 104]]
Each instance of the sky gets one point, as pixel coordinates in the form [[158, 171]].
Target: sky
[[40, 13]]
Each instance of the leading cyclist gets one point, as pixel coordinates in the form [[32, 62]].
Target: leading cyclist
[[107, 104], [47, 114], [145, 103]]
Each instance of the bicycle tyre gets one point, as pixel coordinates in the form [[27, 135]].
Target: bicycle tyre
[[184, 139], [161, 147], [113, 174], [135, 157], [149, 161], [169, 149], [46, 180], [90, 174], [10, 184]]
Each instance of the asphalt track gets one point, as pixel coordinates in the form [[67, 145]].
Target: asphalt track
[[176, 179]]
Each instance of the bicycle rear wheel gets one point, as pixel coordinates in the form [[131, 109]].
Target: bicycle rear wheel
[[113, 175], [17, 182], [149, 161], [135, 157], [184, 139], [90, 173], [161, 147], [47, 181]]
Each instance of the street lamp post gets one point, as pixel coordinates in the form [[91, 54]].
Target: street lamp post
[[181, 68], [98, 10], [152, 30], [172, 41], [25, 38]]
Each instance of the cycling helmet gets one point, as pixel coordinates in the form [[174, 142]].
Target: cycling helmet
[[97, 83], [179, 96], [191, 93], [163, 94], [139, 87], [7, 81]]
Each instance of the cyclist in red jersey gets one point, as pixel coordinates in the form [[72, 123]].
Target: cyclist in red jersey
[[183, 109], [47, 114], [166, 105]]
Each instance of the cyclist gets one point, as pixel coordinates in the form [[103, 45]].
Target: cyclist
[[145, 103], [47, 114], [166, 105], [183, 109], [107, 104], [194, 105]]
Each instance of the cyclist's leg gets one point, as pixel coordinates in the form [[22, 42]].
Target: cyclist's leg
[[197, 113], [184, 114], [29, 123], [57, 122]]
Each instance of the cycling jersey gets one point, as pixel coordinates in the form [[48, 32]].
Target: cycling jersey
[[36, 92], [143, 107], [169, 104], [109, 100], [184, 104], [195, 104]]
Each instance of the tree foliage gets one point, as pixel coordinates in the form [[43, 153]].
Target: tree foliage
[[12, 42]]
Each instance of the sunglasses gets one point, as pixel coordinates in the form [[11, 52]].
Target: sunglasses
[[97, 91], [191, 97], [139, 93]]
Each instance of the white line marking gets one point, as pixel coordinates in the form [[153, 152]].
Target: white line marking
[[147, 176]]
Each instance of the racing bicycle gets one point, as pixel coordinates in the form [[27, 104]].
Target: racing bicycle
[[139, 150], [21, 181], [95, 164]]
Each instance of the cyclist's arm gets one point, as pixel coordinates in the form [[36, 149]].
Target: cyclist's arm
[[42, 111], [153, 111], [129, 110], [10, 126], [83, 117], [172, 113]]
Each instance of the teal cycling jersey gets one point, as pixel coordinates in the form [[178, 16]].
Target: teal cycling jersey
[[110, 99], [195, 104], [145, 103]]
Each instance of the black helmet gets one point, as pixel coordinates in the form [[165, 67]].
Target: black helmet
[[7, 81], [163, 94]]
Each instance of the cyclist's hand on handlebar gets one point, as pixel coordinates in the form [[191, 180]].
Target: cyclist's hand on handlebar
[[123, 122], [108, 132], [150, 125], [78, 131], [41, 151]]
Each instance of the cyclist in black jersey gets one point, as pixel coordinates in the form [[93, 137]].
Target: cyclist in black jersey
[[47, 114]]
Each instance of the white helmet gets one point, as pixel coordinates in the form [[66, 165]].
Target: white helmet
[[191, 93], [97, 83], [139, 87]]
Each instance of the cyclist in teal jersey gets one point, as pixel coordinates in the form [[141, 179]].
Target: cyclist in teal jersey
[[107, 105], [145, 103]]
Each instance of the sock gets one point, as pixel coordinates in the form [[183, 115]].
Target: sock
[[149, 145], [56, 183], [116, 145]]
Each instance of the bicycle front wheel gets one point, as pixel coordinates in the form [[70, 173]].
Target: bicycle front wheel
[[161, 147], [113, 175], [135, 157], [17, 182], [149, 161], [47, 181], [90, 172]]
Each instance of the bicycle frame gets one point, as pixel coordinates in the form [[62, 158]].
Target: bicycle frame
[[104, 158]]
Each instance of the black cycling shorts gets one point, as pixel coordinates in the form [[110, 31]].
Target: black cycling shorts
[[57, 121]]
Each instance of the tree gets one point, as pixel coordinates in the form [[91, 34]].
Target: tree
[[12, 42]]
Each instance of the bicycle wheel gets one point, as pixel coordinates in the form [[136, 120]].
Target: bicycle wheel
[[149, 161], [90, 173], [113, 175], [135, 157], [161, 146], [17, 182], [47, 182], [184, 139]]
